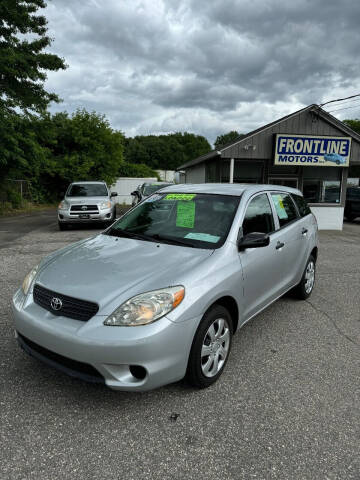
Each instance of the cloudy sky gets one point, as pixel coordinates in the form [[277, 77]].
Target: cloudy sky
[[204, 66]]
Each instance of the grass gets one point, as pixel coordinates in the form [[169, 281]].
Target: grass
[[6, 209]]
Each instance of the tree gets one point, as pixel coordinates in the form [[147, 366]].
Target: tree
[[23, 62], [353, 124], [137, 170], [226, 138], [166, 152], [81, 147]]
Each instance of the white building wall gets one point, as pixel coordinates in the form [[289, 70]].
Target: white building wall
[[329, 218], [125, 185], [166, 175]]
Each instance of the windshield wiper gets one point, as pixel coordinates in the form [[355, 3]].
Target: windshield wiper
[[172, 241], [118, 232]]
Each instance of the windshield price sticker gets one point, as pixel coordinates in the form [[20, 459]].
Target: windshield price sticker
[[180, 196], [203, 237], [185, 215]]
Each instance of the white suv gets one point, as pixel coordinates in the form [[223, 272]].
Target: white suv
[[87, 202]]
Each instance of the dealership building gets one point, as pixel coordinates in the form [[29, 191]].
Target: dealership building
[[310, 150]]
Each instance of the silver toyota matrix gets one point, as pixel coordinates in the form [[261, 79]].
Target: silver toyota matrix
[[159, 295]]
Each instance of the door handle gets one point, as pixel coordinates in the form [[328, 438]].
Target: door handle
[[304, 231], [279, 245]]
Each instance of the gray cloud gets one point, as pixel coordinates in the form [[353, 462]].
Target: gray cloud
[[158, 66]]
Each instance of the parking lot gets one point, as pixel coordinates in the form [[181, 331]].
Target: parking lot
[[287, 406]]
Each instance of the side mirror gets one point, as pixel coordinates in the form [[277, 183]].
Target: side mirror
[[113, 194], [134, 193], [254, 240]]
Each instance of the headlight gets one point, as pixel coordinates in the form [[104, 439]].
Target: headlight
[[63, 205], [29, 279], [104, 205], [146, 307]]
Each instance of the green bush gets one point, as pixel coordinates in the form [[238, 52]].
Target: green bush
[[137, 170], [14, 198]]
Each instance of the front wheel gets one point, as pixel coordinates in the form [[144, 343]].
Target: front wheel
[[211, 347], [304, 289], [62, 226]]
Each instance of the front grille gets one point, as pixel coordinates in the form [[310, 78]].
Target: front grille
[[84, 209], [67, 365], [71, 307]]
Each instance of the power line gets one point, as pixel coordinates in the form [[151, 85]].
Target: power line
[[345, 108], [339, 99]]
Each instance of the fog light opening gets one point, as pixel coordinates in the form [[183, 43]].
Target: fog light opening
[[137, 371], [61, 216]]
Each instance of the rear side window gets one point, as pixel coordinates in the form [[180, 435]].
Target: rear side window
[[303, 207], [285, 208], [258, 216]]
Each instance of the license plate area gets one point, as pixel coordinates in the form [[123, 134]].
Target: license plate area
[[84, 215]]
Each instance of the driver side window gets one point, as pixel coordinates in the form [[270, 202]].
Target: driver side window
[[258, 216]]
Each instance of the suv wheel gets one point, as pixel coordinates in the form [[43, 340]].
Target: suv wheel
[[211, 347], [62, 226], [304, 289]]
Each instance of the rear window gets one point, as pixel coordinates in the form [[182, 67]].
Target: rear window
[[303, 207]]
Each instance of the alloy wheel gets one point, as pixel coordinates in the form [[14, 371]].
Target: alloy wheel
[[309, 277], [215, 347]]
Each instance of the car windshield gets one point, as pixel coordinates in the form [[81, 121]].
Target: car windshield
[[188, 219], [150, 189], [87, 190]]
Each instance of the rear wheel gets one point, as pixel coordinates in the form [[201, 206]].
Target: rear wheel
[[304, 289], [211, 347]]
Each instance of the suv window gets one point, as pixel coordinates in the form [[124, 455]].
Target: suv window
[[258, 216], [303, 207], [285, 208]]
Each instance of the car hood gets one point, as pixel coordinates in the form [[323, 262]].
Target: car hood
[[109, 270], [85, 200]]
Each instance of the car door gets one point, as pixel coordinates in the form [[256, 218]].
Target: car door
[[261, 269], [290, 239]]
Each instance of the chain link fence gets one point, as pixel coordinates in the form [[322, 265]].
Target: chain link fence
[[14, 192]]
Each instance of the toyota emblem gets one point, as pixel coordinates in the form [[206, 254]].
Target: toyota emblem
[[56, 303], [84, 207]]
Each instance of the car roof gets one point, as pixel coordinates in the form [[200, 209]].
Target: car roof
[[90, 181], [227, 188], [157, 183]]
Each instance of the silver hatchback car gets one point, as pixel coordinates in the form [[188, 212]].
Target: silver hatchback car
[[87, 202], [158, 296]]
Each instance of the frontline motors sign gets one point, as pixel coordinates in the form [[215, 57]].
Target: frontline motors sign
[[308, 150]]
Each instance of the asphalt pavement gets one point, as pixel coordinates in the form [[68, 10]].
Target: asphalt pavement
[[287, 406]]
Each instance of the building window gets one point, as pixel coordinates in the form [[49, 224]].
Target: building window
[[322, 184], [248, 172]]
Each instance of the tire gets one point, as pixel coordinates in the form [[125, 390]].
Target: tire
[[62, 226], [349, 216], [304, 289], [213, 336]]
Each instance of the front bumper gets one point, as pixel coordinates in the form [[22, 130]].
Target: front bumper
[[65, 216], [94, 352]]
